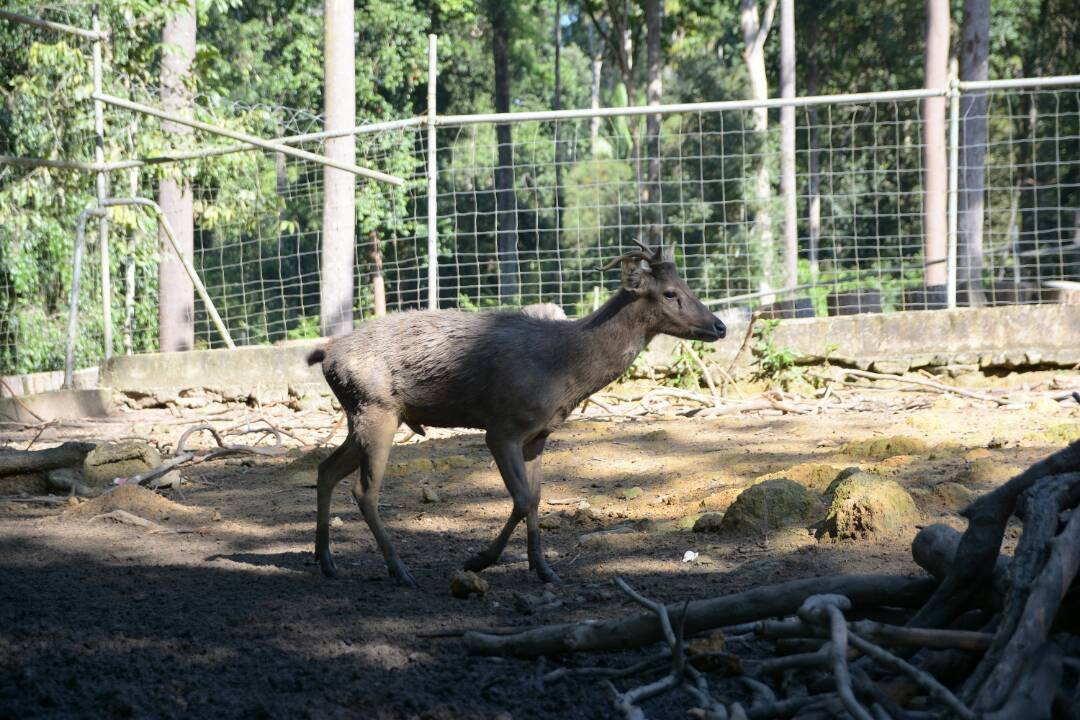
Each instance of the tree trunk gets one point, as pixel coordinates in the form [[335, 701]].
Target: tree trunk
[[505, 199], [378, 284], [128, 332], [339, 187], [814, 160], [787, 143], [755, 32], [557, 105], [176, 295], [597, 54], [934, 163], [654, 89], [974, 65]]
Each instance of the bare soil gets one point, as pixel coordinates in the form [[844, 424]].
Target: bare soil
[[228, 616]]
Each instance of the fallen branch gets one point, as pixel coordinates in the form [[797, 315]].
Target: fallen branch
[[1039, 612], [18, 401], [978, 548], [18, 462], [924, 383], [626, 702], [689, 350], [182, 455], [758, 603], [123, 516]]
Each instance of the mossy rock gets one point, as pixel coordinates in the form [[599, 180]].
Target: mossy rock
[[1063, 433], [452, 462], [841, 477], [109, 461], [410, 467], [985, 471], [304, 469], [954, 496], [812, 476], [866, 506], [709, 522], [880, 448], [770, 505]]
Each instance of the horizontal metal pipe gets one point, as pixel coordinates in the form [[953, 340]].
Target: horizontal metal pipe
[[854, 98], [1019, 83], [168, 157], [43, 162], [245, 138], [50, 25]]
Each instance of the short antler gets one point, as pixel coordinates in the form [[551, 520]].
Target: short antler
[[646, 253]]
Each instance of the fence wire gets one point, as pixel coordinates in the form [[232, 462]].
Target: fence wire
[[527, 211]]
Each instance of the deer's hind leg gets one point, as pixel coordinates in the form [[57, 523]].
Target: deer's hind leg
[[332, 470], [375, 433]]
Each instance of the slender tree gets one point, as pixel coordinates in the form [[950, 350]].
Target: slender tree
[[505, 200], [556, 103], [787, 143], [176, 295], [934, 163], [974, 65], [755, 30], [813, 220], [339, 187], [654, 89], [596, 56]]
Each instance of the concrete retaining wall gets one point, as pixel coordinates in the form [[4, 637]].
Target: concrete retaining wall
[[1013, 336], [1007, 337]]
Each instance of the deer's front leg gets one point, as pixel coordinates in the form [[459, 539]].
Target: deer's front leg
[[533, 456], [522, 479]]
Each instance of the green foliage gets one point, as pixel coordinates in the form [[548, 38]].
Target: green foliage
[[257, 228], [307, 327], [775, 364], [685, 372]]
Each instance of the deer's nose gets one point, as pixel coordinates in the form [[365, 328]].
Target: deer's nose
[[720, 328]]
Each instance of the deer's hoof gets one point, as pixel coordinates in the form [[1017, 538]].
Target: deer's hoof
[[547, 575], [326, 564], [404, 578], [478, 562]]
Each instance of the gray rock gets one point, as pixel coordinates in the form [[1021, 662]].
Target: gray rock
[[770, 505], [464, 583], [867, 506], [109, 461]]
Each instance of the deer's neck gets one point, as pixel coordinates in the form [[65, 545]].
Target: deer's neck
[[605, 343]]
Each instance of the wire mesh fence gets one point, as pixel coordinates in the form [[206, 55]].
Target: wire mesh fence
[[526, 210], [583, 194]]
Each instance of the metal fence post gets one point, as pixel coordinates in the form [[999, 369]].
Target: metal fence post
[[954, 173], [432, 177], [102, 192]]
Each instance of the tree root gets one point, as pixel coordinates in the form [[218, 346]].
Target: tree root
[[985, 640], [182, 456]]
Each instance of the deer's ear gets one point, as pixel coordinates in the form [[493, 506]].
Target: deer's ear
[[635, 275]]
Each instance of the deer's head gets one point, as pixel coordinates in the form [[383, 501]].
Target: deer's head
[[671, 307]]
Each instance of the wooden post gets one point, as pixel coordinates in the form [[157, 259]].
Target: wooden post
[[339, 188]]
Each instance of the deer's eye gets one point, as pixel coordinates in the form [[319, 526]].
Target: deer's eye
[[670, 294]]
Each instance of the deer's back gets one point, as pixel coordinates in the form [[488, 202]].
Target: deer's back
[[450, 368]]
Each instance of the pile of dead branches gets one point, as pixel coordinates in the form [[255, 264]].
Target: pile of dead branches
[[985, 636]]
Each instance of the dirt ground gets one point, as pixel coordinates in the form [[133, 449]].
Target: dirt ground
[[230, 617]]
